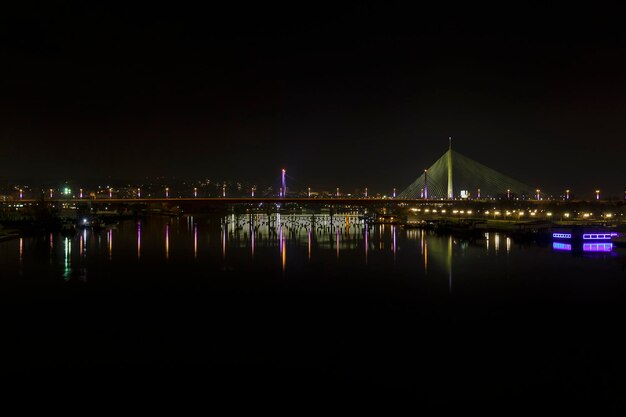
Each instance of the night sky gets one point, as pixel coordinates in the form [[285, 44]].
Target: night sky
[[348, 96]]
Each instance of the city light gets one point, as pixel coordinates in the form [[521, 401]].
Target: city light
[[597, 194]]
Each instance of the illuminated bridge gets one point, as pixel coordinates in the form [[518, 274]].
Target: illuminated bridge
[[227, 200], [455, 176]]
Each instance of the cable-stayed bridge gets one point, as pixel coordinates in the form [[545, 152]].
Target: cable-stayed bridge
[[456, 176]]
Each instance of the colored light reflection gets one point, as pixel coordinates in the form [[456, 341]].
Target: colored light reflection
[[138, 240], [597, 247], [195, 242], [224, 231], [561, 246], [252, 236], [110, 237], [67, 270], [284, 252], [167, 241]]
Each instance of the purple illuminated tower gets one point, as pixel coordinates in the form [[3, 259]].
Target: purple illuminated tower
[[283, 190]]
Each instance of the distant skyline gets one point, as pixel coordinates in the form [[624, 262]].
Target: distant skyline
[[352, 96]]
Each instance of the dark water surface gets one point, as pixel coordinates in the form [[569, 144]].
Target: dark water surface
[[319, 309]]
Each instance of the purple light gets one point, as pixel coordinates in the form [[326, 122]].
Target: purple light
[[561, 246], [597, 236], [597, 247], [283, 192]]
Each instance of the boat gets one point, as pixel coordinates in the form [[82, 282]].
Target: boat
[[584, 234]]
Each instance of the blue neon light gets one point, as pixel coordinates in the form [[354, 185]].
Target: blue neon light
[[562, 235], [597, 236], [561, 246], [597, 247]]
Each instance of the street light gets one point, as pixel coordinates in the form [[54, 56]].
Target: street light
[[195, 192], [167, 192], [567, 194], [538, 191], [597, 194]]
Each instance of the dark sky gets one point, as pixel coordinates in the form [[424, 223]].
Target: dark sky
[[347, 96]]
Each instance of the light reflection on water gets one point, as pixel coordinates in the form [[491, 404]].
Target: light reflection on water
[[288, 242]]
